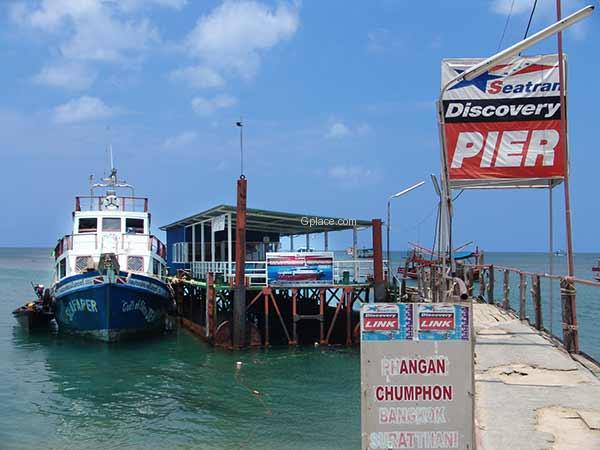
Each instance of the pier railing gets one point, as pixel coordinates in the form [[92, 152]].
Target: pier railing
[[530, 296], [358, 270]]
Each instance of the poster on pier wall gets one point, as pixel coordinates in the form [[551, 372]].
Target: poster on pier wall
[[299, 268], [417, 389], [503, 127]]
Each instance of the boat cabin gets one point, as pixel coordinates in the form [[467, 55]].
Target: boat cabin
[[110, 225]]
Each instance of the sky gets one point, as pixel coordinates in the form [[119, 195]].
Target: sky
[[337, 98]]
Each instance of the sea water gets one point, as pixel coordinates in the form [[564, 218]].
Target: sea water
[[174, 391]]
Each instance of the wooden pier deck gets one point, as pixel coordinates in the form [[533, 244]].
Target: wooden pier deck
[[530, 393]]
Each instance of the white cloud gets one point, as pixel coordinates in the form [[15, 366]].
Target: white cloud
[[71, 76], [88, 31], [518, 6], [206, 106], [199, 76], [341, 130], [232, 37], [338, 130], [351, 176], [132, 5], [182, 139], [82, 109], [381, 40], [546, 10]]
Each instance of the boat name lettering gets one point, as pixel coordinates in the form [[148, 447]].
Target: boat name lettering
[[149, 314], [80, 304]]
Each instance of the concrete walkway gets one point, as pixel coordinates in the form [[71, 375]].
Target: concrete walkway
[[530, 395]]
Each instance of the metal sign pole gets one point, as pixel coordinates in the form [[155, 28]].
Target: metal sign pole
[[569, 232]]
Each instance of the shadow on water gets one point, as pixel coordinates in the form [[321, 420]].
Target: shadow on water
[[175, 391]]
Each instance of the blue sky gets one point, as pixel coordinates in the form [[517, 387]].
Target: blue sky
[[337, 97]]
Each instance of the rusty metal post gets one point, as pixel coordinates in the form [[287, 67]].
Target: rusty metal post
[[490, 286], [570, 309], [295, 317], [322, 316], [267, 298], [379, 287], [536, 295], [239, 297], [570, 329], [348, 293], [506, 290], [522, 298], [210, 306]]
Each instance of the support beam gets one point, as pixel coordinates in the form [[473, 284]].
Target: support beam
[[202, 243], [193, 246], [212, 242], [229, 247], [326, 241], [239, 299], [291, 243], [307, 242], [354, 246]]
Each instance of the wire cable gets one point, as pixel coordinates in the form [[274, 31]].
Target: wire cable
[[512, 4], [530, 18]]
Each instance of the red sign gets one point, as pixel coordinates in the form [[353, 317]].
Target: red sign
[[380, 321], [503, 128], [436, 321]]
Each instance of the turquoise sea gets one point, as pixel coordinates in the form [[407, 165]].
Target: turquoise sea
[[177, 392]]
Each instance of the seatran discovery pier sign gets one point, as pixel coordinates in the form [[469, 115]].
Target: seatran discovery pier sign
[[503, 127], [416, 376]]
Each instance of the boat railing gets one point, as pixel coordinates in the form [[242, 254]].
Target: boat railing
[[97, 203], [129, 242]]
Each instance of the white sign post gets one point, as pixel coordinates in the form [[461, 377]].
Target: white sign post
[[417, 386]]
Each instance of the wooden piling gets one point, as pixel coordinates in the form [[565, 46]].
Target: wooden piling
[[536, 295], [210, 306], [379, 284], [569, 319], [490, 286], [295, 317], [522, 296], [506, 290], [469, 280], [239, 298], [481, 281]]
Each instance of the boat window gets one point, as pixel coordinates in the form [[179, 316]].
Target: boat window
[[111, 224], [155, 267], [84, 264], [134, 226], [88, 225], [62, 268], [135, 263]]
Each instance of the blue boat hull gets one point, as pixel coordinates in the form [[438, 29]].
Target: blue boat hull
[[110, 308]]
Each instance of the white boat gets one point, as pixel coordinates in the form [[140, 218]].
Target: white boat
[[110, 271]]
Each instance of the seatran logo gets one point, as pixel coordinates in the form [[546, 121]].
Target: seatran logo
[[495, 80]]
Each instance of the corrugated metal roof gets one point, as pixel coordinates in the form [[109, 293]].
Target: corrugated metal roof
[[267, 221]]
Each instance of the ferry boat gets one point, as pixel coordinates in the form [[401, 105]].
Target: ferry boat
[[110, 272], [300, 274]]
